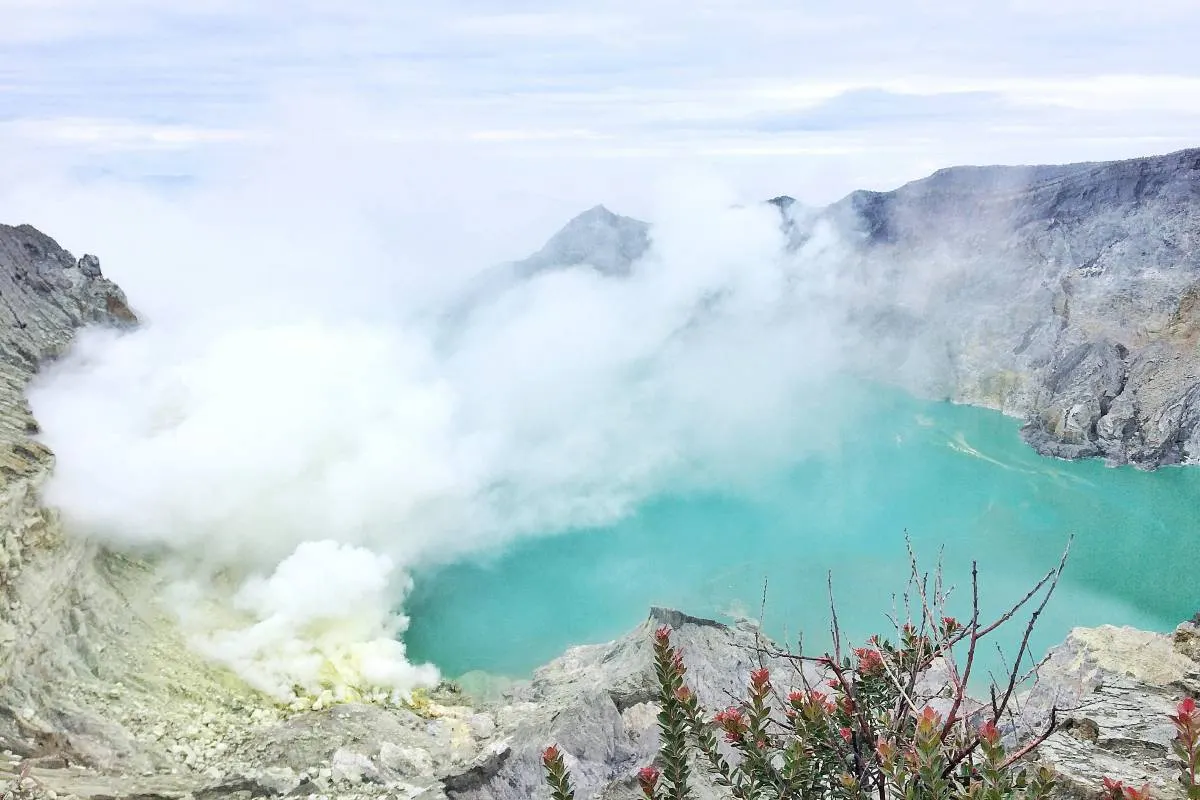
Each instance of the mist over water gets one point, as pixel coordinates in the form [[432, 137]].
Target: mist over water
[[956, 479], [315, 410], [306, 412]]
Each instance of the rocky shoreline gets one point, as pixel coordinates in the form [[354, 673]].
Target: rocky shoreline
[[1074, 306]]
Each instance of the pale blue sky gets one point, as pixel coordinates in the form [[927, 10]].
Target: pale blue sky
[[586, 102]]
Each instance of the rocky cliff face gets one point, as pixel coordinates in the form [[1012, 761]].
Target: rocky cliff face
[[99, 694], [86, 659], [47, 582], [1065, 295]]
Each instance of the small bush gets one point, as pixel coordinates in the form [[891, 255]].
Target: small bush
[[863, 733]]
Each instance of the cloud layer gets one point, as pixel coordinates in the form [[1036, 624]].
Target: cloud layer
[[815, 101]]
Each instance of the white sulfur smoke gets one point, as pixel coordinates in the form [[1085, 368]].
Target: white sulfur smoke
[[303, 409], [319, 626]]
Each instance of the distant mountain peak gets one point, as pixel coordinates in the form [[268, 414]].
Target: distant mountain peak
[[608, 242]]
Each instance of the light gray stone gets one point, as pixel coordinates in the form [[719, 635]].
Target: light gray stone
[[406, 761]]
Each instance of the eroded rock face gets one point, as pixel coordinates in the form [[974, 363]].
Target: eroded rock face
[[1065, 295], [47, 584], [1117, 686]]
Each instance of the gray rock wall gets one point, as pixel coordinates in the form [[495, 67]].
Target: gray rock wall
[[1065, 295]]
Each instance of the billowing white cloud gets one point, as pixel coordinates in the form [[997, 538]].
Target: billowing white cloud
[[306, 405]]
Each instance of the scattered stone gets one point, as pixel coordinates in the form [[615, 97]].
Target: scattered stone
[[405, 761], [351, 767]]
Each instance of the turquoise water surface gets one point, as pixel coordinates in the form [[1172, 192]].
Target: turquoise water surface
[[952, 476]]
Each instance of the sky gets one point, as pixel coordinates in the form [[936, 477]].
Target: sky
[[552, 107]]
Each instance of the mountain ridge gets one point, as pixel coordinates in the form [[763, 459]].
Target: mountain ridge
[[1097, 265]]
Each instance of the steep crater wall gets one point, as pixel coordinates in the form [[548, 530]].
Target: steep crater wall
[[86, 656]]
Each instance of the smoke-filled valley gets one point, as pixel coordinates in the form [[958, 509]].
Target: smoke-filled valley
[[295, 425], [304, 416]]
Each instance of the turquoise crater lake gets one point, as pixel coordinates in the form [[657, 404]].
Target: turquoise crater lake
[[953, 477]]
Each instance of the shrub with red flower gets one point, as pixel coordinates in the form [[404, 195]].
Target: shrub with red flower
[[556, 774], [870, 662], [871, 734]]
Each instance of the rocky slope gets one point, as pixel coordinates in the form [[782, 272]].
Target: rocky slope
[[1065, 295]]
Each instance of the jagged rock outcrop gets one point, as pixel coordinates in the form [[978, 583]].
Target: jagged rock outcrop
[[608, 243], [1117, 686], [48, 598], [1066, 295], [598, 704]]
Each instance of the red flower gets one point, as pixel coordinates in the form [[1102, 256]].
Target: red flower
[[950, 624], [1117, 790], [733, 723], [648, 778], [847, 735], [869, 660], [1138, 794], [683, 694], [1187, 720], [730, 717], [833, 683], [928, 720], [821, 701], [551, 755], [814, 704], [663, 635], [760, 679], [988, 732]]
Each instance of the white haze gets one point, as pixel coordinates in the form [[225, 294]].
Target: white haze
[[295, 412]]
